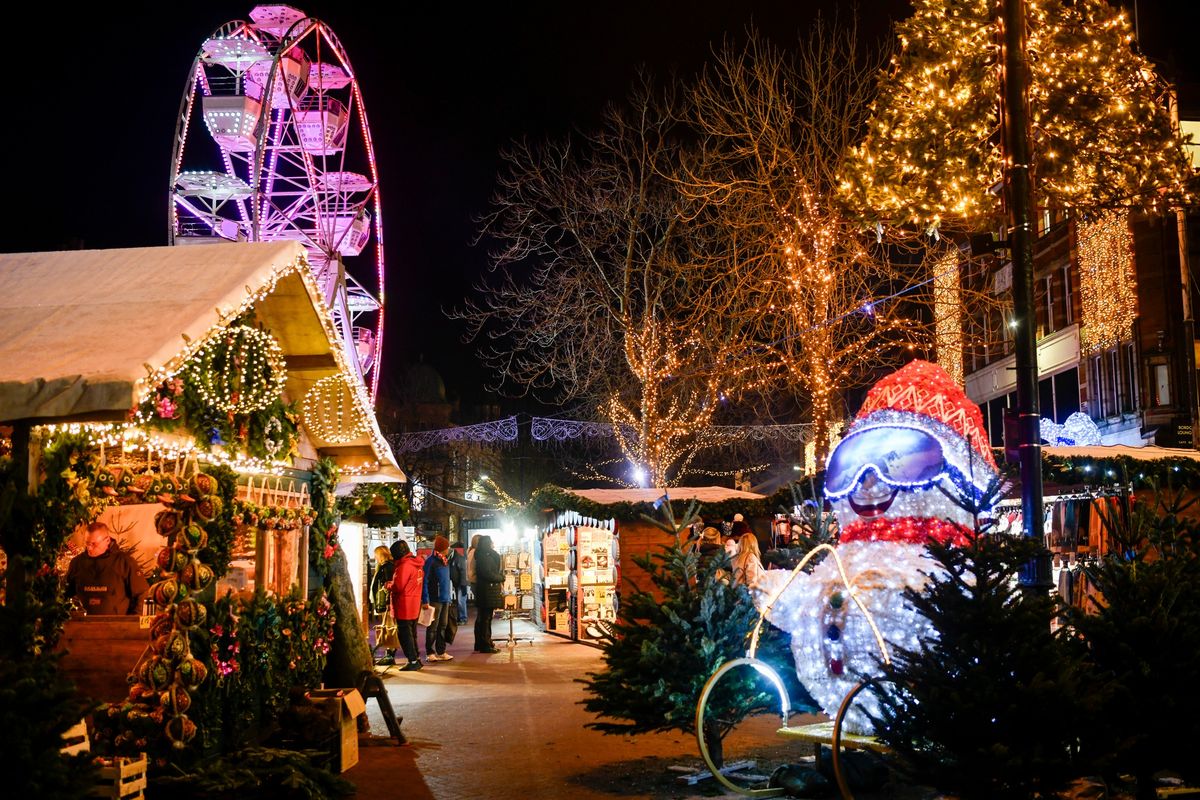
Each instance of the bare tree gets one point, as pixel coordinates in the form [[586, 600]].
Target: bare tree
[[594, 297], [829, 304]]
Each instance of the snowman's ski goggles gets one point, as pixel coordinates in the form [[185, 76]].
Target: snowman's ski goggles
[[901, 457]]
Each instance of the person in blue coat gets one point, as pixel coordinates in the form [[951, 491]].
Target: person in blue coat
[[438, 591]]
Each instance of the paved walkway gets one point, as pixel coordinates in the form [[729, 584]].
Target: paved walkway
[[509, 726]]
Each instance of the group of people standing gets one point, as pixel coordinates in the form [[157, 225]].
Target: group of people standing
[[407, 588], [742, 548]]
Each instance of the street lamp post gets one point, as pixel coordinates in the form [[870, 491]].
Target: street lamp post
[[1035, 577]]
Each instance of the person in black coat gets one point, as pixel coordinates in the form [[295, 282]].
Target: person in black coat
[[489, 577]]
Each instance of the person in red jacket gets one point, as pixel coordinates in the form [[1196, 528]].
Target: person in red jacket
[[406, 600]]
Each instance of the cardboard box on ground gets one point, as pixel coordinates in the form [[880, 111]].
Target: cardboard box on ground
[[345, 705]]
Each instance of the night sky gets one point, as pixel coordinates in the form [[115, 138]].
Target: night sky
[[97, 91]]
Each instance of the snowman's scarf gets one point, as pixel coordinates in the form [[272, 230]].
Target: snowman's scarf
[[906, 530]]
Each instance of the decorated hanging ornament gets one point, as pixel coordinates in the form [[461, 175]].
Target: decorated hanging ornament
[[911, 467], [330, 413], [238, 372]]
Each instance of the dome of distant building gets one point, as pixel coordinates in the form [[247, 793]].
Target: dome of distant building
[[423, 384]]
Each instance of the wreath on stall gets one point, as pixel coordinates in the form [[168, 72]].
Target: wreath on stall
[[229, 394]]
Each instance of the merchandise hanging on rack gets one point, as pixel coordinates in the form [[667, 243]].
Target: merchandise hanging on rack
[[579, 576]]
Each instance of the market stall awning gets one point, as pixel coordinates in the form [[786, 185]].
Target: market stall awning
[[1148, 453], [81, 330]]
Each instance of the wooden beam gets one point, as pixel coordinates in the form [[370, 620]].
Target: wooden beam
[[310, 363], [347, 450]]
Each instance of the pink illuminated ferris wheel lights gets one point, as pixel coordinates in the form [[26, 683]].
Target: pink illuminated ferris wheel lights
[[272, 144]]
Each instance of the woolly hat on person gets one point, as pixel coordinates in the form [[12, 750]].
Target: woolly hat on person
[[441, 543], [710, 535]]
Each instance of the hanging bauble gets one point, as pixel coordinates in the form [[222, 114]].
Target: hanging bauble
[[330, 413], [239, 371]]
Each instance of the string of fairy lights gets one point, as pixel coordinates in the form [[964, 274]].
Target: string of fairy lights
[[1107, 282], [252, 375], [1100, 131]]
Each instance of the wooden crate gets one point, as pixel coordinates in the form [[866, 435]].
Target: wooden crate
[[121, 779]]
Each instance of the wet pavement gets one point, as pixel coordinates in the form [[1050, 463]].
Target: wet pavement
[[509, 726]]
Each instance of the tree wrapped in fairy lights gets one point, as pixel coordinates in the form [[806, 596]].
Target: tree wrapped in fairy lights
[[777, 126], [1102, 136]]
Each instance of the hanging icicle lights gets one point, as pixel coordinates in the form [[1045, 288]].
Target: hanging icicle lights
[[1107, 281], [947, 316]]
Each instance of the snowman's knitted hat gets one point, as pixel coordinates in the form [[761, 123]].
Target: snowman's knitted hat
[[924, 389]]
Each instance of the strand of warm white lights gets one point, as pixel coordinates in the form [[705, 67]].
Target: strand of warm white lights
[[947, 316], [131, 438], [327, 408], [1107, 281], [192, 348]]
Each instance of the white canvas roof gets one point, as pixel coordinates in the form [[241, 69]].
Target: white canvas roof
[[704, 494], [80, 330], [1148, 453]]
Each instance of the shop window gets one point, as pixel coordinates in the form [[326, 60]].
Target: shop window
[[1109, 382], [1095, 411], [1046, 398], [1118, 380], [1049, 305], [1160, 382], [996, 421], [1066, 395], [1128, 368], [1068, 311]]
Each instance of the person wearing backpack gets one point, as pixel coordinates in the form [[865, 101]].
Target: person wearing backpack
[[458, 577]]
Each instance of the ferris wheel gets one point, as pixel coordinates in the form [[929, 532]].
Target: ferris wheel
[[272, 144]]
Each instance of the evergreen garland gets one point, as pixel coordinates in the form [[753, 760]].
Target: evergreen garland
[[996, 706], [359, 502], [38, 704], [211, 406], [322, 534]]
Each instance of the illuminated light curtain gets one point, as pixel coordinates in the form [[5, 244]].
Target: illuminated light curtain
[[1107, 281], [947, 317]]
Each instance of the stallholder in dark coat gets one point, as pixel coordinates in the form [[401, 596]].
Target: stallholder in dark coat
[[488, 579]]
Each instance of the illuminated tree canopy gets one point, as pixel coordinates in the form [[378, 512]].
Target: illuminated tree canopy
[[1102, 136]]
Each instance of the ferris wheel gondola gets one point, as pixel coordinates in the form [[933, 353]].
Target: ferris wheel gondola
[[272, 144]]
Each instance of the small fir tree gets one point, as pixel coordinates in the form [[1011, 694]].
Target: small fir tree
[[1142, 625], [996, 705], [670, 640]]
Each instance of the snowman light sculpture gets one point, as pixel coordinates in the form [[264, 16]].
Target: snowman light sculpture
[[910, 468]]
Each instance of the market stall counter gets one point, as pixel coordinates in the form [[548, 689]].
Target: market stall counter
[[100, 650]]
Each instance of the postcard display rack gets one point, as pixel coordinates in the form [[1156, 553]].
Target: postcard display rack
[[517, 565], [579, 572]]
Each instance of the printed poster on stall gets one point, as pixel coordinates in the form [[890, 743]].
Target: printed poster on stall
[[555, 548], [587, 560]]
